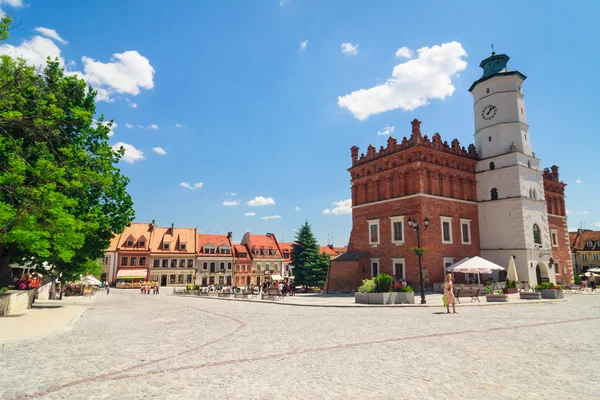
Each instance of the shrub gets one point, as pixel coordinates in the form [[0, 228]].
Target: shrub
[[510, 284], [578, 279], [196, 287], [383, 283], [548, 285], [368, 286], [404, 289]]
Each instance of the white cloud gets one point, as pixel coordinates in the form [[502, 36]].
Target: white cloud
[[35, 51], [51, 33], [282, 3], [412, 84], [159, 150], [250, 214], [231, 203], [271, 217], [341, 207], [71, 63], [191, 187], [13, 3], [152, 126], [177, 125], [231, 193], [404, 52], [128, 125], [126, 72], [297, 208], [568, 212], [2, 14], [303, 45], [582, 212], [261, 201], [349, 49], [388, 130], [131, 153], [578, 181], [131, 103], [597, 223]]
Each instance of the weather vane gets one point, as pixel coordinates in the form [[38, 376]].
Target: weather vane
[[493, 51]]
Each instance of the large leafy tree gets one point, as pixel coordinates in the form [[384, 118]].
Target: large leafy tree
[[310, 265], [62, 197]]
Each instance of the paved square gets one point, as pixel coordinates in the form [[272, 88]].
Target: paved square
[[131, 346]]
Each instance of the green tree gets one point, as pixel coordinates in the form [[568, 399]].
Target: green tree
[[310, 266], [62, 198]]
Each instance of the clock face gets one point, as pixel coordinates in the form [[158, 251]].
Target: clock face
[[489, 112]]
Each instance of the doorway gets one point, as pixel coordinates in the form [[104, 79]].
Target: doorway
[[163, 280]]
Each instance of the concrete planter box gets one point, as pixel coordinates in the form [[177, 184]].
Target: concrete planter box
[[530, 295], [385, 298], [16, 301], [511, 290], [361, 298], [404, 298], [551, 293], [496, 298]]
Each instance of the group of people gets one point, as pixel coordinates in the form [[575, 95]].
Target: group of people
[[146, 289], [26, 282], [588, 280], [285, 287]]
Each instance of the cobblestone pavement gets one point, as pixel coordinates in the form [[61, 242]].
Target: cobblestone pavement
[[130, 346]]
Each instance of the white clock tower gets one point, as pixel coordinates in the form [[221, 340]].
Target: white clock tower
[[510, 189]]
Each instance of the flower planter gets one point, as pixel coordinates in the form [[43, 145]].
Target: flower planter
[[404, 298], [496, 298], [361, 298], [381, 298], [551, 293], [530, 295], [511, 290]]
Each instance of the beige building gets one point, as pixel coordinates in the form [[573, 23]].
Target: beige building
[[585, 250], [267, 259], [214, 260], [172, 256]]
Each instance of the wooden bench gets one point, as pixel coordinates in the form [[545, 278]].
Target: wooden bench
[[273, 294], [247, 292], [463, 292], [224, 294], [573, 289]]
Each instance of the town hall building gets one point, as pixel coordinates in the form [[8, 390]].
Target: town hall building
[[491, 199]]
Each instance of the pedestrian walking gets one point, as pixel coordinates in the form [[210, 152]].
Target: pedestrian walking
[[107, 290], [449, 294]]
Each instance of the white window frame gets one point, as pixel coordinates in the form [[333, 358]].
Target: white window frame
[[584, 256], [399, 218], [371, 223], [374, 260], [267, 266], [447, 260], [595, 256], [554, 237], [258, 266], [449, 220], [399, 261], [463, 221]]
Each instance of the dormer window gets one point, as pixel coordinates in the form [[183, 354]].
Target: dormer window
[[589, 244], [142, 244], [266, 252], [129, 243], [257, 252], [286, 254], [274, 252], [209, 249], [165, 246], [182, 246]]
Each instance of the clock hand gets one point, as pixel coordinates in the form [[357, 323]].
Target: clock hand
[[488, 113]]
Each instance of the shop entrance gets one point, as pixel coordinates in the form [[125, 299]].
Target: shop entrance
[[163, 280]]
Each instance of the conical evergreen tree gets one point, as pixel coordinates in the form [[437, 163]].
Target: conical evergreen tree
[[310, 267]]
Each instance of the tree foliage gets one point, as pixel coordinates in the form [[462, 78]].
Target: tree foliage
[[310, 265], [62, 198]]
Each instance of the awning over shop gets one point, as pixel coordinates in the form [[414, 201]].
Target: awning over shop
[[132, 273]]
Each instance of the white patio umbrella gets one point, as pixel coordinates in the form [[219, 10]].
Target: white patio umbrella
[[595, 270], [512, 271], [88, 280], [474, 265]]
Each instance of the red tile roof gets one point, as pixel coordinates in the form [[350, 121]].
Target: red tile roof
[[215, 240], [160, 236], [583, 237], [135, 231], [262, 242], [329, 251], [241, 249]]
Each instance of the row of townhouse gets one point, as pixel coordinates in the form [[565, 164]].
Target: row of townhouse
[[178, 256]]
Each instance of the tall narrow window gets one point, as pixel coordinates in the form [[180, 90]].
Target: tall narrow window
[[124, 261], [174, 263], [554, 235], [374, 267], [446, 230], [397, 229], [156, 263], [133, 261], [373, 232], [489, 138], [465, 227], [492, 166], [494, 194], [537, 234]]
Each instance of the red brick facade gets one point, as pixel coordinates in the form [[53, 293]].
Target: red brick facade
[[554, 191]]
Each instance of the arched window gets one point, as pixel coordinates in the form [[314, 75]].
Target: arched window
[[494, 194], [492, 166], [530, 193], [534, 194], [528, 164], [537, 234]]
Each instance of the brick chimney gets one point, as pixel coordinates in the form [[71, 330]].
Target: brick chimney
[[172, 228]]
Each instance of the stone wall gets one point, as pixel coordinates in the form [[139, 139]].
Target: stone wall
[[16, 301]]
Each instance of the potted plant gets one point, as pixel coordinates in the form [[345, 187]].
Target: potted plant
[[550, 290], [403, 294], [510, 288], [419, 251], [495, 297], [530, 295], [377, 290]]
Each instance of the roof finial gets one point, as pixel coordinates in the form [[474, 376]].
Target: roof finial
[[493, 52]]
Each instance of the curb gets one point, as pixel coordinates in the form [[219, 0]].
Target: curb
[[282, 303], [76, 318]]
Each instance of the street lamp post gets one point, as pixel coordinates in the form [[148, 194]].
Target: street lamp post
[[417, 228]]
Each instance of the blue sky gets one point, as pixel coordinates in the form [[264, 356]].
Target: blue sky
[[254, 97]]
